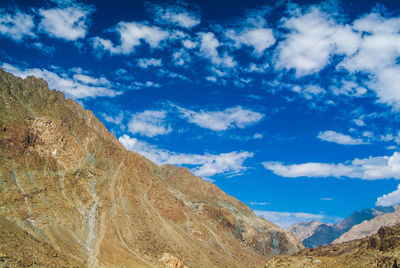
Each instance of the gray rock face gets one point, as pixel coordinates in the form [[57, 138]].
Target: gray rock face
[[304, 230]]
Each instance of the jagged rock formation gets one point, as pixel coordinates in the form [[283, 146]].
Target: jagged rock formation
[[68, 183], [370, 227], [303, 230], [324, 234], [379, 250]]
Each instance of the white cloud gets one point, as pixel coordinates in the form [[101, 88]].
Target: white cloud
[[359, 122], [339, 138], [254, 68], [66, 82], [258, 136], [208, 48], [16, 26], [189, 44], [176, 15], [389, 199], [258, 38], [145, 63], [149, 123], [69, 23], [205, 165], [181, 58], [286, 219], [313, 37], [348, 88], [138, 85], [183, 19], [117, 119], [131, 34], [376, 56], [259, 203], [235, 117], [326, 198], [372, 168], [309, 91]]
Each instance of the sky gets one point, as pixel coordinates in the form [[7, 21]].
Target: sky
[[293, 107]]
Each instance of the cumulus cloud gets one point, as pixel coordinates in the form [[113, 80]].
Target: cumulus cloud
[[69, 23], [177, 15], [339, 138], [235, 117], [389, 199], [309, 91], [258, 38], [377, 56], [16, 25], [149, 123], [372, 168], [209, 49], [131, 34], [254, 68], [117, 119], [74, 85], [146, 63], [204, 165], [313, 37], [286, 219]]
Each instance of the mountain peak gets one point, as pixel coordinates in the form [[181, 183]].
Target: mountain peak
[[73, 187]]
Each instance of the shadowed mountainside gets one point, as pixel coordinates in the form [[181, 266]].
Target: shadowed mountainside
[[370, 227], [84, 200], [325, 234]]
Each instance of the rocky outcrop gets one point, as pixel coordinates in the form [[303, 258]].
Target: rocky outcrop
[[68, 183], [379, 250], [370, 227]]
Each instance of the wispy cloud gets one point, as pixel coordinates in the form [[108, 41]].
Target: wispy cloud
[[75, 85], [389, 199], [16, 25], [204, 165], [131, 34], [286, 219], [372, 168], [149, 123], [235, 117], [66, 22], [339, 138]]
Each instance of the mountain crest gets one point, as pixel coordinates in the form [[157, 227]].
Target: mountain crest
[[68, 183]]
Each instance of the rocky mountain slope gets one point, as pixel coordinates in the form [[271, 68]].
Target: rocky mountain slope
[[303, 230], [325, 234], [70, 191], [379, 250], [370, 227]]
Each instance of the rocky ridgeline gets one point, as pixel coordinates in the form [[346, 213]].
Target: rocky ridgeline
[[70, 194], [379, 250]]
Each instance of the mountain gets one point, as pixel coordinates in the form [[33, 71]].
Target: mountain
[[303, 230], [370, 227], [72, 195], [325, 234], [379, 250]]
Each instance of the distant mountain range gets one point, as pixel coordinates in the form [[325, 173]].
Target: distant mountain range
[[378, 250], [314, 234]]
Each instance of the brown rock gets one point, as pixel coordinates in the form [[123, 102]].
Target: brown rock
[[74, 188]]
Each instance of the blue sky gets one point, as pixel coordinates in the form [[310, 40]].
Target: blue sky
[[290, 106]]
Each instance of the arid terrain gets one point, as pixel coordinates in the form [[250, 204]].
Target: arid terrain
[[71, 195], [379, 250]]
